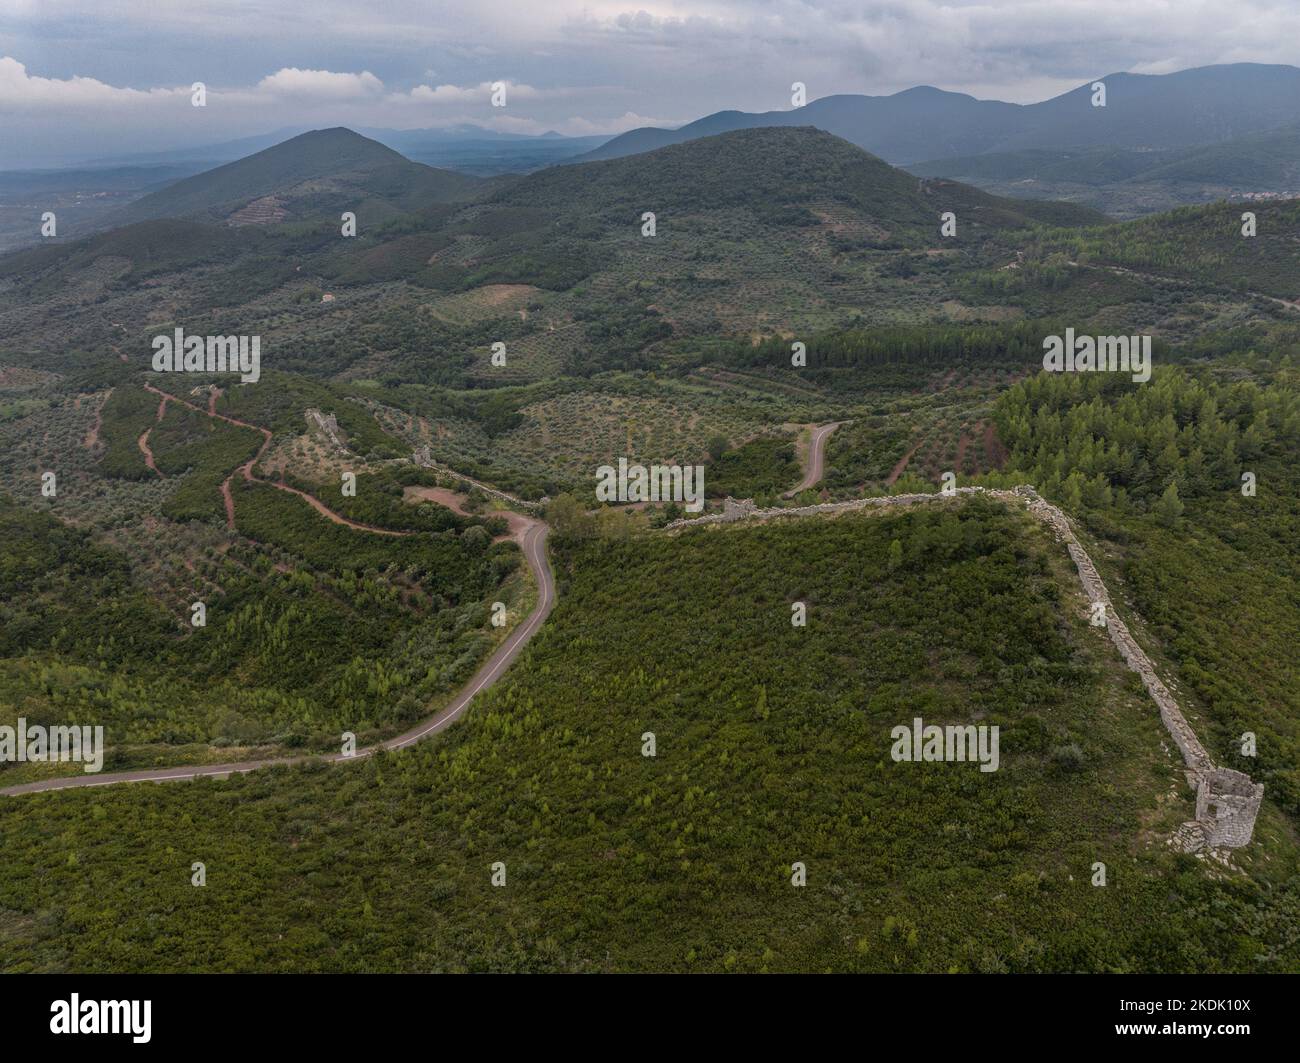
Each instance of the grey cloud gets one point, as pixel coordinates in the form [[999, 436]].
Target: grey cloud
[[590, 65]]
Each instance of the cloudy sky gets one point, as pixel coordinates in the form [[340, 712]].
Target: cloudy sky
[[85, 77]]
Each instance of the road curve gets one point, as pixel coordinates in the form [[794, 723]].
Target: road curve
[[533, 544], [816, 459]]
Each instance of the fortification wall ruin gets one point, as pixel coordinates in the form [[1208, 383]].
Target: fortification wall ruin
[[1227, 801], [329, 425]]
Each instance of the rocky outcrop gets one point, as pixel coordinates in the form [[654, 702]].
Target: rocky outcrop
[[1227, 801]]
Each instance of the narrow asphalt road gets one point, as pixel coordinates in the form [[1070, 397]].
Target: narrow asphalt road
[[816, 459], [533, 544]]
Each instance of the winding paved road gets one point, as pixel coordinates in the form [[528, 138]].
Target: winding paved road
[[532, 541], [816, 459]]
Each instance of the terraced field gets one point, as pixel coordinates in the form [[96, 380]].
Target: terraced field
[[564, 439], [376, 594]]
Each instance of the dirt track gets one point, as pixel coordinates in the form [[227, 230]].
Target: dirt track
[[247, 468], [529, 533], [533, 545], [143, 444], [901, 467]]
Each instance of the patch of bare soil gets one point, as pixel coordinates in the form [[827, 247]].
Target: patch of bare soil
[[143, 443], [455, 502], [92, 437], [962, 444], [496, 294]]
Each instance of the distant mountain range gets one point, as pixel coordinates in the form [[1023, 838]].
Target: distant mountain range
[[775, 175], [1160, 141], [316, 174], [1217, 132], [1190, 108], [91, 194]]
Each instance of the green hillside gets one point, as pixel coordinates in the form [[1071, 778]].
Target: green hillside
[[1158, 470], [775, 173], [767, 229], [1261, 162], [1095, 166], [149, 247], [330, 612], [97, 585], [1201, 244], [772, 748], [1130, 182]]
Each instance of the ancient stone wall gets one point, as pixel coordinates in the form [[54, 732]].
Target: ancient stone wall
[[734, 510], [1194, 754], [1227, 801]]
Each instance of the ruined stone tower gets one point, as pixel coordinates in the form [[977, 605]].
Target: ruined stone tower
[[1227, 802], [733, 509]]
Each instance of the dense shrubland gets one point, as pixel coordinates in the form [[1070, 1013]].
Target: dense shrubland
[[772, 747], [1157, 469], [772, 739]]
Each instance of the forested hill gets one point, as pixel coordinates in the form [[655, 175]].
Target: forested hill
[[328, 159], [775, 173], [793, 227]]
